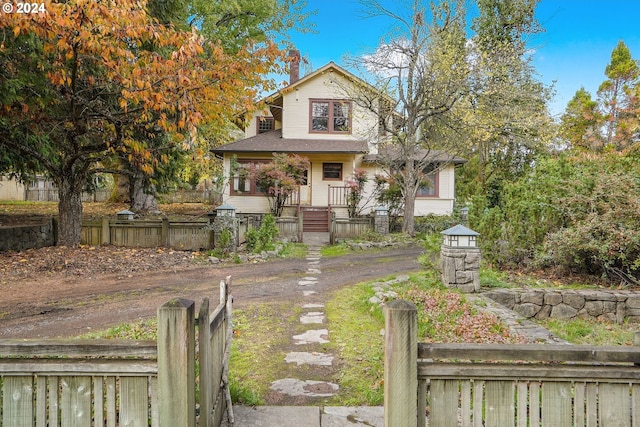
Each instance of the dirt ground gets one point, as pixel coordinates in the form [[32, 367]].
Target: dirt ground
[[58, 292]]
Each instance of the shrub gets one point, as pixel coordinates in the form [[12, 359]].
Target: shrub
[[262, 239]]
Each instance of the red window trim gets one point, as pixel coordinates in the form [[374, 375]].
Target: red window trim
[[437, 189], [333, 179], [252, 185], [330, 118]]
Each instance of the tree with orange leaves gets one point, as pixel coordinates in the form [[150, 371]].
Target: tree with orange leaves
[[78, 81]]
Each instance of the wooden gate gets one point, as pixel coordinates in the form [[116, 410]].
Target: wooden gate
[[105, 382]]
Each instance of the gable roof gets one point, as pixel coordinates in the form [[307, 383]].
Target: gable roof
[[275, 99], [273, 142]]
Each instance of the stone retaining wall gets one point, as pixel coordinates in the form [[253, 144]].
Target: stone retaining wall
[[604, 305], [24, 237]]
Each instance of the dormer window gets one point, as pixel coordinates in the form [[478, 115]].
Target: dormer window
[[265, 124], [330, 116]]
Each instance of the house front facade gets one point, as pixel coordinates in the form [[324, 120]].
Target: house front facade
[[314, 117]]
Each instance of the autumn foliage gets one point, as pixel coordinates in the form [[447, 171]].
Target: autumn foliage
[[81, 80]]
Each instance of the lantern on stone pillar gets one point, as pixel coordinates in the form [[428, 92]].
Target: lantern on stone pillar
[[460, 259], [460, 237], [225, 211]]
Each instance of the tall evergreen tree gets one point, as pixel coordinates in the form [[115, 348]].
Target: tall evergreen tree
[[579, 125], [617, 98]]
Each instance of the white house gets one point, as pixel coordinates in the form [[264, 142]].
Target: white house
[[314, 118]]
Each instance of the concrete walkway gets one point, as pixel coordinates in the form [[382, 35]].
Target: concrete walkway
[[308, 416]]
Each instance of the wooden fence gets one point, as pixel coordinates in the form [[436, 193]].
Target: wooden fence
[[504, 385], [197, 235], [51, 195], [148, 233], [211, 197], [85, 383], [289, 227], [348, 228]]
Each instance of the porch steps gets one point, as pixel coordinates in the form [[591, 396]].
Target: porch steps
[[315, 219]]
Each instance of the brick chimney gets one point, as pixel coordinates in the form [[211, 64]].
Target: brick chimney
[[294, 66]]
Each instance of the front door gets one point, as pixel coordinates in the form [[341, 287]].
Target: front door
[[305, 189]]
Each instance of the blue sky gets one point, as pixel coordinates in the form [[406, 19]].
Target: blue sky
[[573, 51]]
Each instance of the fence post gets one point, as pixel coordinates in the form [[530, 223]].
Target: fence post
[[164, 236], [176, 363], [401, 364], [106, 232], [300, 226]]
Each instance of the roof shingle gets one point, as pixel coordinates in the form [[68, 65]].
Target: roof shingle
[[273, 142]]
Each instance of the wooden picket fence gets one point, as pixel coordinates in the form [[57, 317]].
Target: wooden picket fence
[[104, 382], [523, 385]]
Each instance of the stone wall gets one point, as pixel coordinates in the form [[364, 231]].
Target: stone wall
[[603, 305], [461, 268], [24, 237]]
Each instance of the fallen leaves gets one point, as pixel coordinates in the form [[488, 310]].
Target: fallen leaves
[[89, 261]]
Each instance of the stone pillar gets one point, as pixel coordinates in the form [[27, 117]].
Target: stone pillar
[[381, 220], [230, 224], [461, 268]]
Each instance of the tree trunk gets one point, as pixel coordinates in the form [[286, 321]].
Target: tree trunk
[[408, 223], [69, 211], [409, 189], [141, 201], [120, 192]]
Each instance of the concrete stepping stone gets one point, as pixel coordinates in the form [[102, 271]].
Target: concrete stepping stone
[[306, 358], [313, 271], [312, 317], [313, 306], [308, 293], [309, 388], [307, 282], [313, 262], [313, 258], [314, 336]]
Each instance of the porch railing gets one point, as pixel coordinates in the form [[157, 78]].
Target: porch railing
[[338, 195]]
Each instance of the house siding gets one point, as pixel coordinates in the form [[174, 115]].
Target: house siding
[[443, 204], [252, 128], [11, 189], [296, 109]]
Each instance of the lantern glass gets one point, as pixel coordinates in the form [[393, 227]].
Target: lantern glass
[[226, 210], [381, 211]]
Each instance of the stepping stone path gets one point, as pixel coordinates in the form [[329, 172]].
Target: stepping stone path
[[314, 316]]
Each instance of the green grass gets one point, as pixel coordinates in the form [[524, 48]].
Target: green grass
[[335, 250], [144, 329], [294, 250], [587, 332], [256, 360], [354, 330]]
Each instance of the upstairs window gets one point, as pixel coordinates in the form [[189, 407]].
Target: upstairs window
[[330, 116], [265, 124]]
